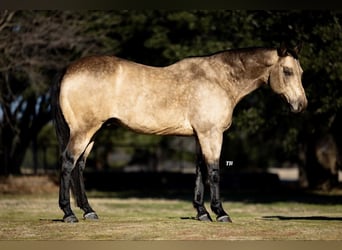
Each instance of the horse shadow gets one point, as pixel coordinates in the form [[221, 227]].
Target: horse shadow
[[302, 218]]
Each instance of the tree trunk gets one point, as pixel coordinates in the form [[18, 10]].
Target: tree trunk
[[16, 136], [6, 141], [336, 133]]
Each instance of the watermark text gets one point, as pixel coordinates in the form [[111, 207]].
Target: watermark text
[[229, 163]]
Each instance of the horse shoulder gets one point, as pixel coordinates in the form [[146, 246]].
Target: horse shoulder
[[210, 106]]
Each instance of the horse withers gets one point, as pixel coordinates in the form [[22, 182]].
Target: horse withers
[[192, 97]]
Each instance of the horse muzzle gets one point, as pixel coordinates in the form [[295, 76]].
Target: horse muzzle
[[298, 105]]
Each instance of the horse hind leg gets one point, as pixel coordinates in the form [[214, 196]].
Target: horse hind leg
[[67, 164], [78, 188], [71, 157]]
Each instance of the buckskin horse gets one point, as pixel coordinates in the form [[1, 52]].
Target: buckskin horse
[[195, 96]]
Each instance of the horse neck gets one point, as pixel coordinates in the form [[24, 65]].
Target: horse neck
[[245, 73], [246, 86]]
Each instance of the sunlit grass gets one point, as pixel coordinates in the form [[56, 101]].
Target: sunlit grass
[[33, 217]]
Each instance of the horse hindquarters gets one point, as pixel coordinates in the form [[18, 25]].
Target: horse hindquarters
[[74, 152]]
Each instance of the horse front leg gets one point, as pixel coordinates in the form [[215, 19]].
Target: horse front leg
[[211, 143], [214, 183], [201, 176]]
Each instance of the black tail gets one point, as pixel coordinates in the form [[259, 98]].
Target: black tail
[[61, 126], [63, 132]]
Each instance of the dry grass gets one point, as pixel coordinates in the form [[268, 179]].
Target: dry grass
[[37, 216], [32, 217]]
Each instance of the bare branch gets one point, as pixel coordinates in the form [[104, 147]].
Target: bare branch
[[5, 18]]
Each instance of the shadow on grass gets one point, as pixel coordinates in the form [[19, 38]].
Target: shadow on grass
[[309, 218], [52, 220]]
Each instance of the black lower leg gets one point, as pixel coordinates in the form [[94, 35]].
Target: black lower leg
[[198, 202], [78, 189], [64, 189], [216, 205]]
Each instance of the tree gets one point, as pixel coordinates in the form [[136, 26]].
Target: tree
[[36, 44], [301, 139]]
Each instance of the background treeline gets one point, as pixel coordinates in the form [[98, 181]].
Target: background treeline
[[35, 45]]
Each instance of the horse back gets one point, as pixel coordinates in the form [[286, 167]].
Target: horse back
[[143, 98]]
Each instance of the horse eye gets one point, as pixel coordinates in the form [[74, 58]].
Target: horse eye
[[287, 71]]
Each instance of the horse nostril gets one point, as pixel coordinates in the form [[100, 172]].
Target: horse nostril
[[303, 104], [300, 108]]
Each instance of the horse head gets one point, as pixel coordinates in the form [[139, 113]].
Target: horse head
[[286, 78]]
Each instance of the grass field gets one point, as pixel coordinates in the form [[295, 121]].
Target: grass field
[[125, 217]]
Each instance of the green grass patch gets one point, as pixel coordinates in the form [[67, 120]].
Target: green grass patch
[[31, 217]]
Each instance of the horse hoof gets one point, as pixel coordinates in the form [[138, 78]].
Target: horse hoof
[[204, 217], [70, 219], [224, 218], [90, 216]]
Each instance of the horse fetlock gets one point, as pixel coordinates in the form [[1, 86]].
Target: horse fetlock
[[70, 218], [90, 216], [216, 207], [204, 217], [202, 213], [224, 218]]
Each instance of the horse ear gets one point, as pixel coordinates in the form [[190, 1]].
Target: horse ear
[[298, 47], [282, 50]]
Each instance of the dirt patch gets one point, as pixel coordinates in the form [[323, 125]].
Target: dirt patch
[[28, 185]]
